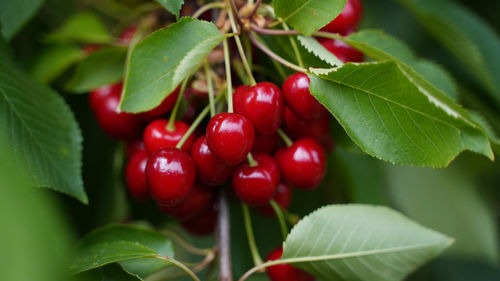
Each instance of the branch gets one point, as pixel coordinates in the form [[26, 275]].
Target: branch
[[224, 242]]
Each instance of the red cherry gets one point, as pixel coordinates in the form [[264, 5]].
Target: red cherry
[[128, 33], [203, 224], [209, 170], [348, 19], [299, 98], [303, 164], [285, 272], [230, 137], [257, 185], [165, 106], [90, 48], [262, 104], [198, 200], [265, 143], [283, 198], [171, 174], [135, 175], [341, 50], [318, 129], [104, 101], [157, 135], [133, 146]]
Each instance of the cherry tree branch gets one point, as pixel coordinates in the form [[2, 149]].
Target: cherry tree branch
[[223, 239]]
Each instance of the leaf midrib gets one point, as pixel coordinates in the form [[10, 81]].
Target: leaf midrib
[[297, 10]]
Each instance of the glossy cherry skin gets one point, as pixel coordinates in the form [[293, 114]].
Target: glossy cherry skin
[[265, 143], [283, 198], [348, 19], [157, 135], [263, 104], [257, 185], [203, 224], [285, 272], [133, 146], [303, 164], [230, 137], [209, 170], [299, 98], [135, 175], [318, 129], [165, 106], [341, 50], [104, 102], [171, 174], [198, 200]]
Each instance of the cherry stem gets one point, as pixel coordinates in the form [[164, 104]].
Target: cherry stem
[[175, 110], [251, 239], [240, 48], [285, 138], [179, 265], [229, 82], [196, 122], [210, 87], [223, 239], [267, 31], [209, 6], [251, 160], [255, 8], [281, 218], [294, 47], [274, 56], [184, 244]]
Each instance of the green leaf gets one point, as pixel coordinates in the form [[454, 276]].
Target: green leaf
[[313, 46], [54, 60], [124, 243], [173, 6], [15, 14], [449, 201], [102, 67], [42, 131], [393, 118], [84, 27], [110, 272], [160, 62], [361, 242], [308, 16], [468, 38]]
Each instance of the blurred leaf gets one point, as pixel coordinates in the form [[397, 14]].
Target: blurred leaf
[[105, 243], [84, 27], [102, 67], [161, 61], [308, 16], [457, 270], [15, 14], [110, 272], [42, 131], [469, 39], [173, 6], [391, 118], [313, 46], [449, 201], [53, 61], [437, 76], [361, 242]]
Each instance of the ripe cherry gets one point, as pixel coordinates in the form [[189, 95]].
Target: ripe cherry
[[262, 104], [209, 170], [157, 135], [341, 50], [135, 175], [265, 143], [104, 101], [318, 129], [348, 19], [171, 174], [133, 146], [303, 164], [256, 185], [203, 224], [230, 137], [198, 200], [285, 272], [299, 98], [283, 198], [128, 33], [165, 106]]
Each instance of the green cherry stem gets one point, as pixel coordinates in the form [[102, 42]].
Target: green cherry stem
[[229, 82], [180, 265], [251, 238], [281, 218], [251, 160], [294, 47], [210, 86], [240, 47], [209, 6], [196, 122], [285, 138], [175, 110]]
